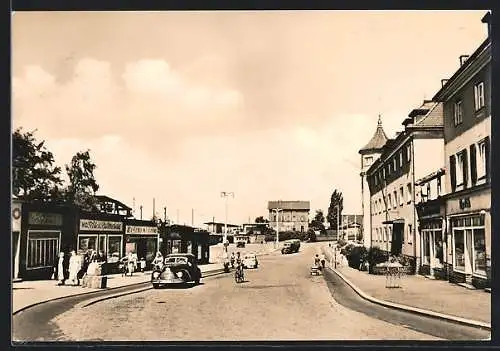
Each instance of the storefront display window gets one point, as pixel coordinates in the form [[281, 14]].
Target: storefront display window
[[425, 248], [459, 248], [189, 247], [438, 250], [479, 252], [43, 248], [86, 243], [102, 244], [199, 251], [150, 250], [114, 248]]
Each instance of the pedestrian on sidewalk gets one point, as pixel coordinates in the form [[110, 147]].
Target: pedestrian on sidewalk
[[60, 272], [74, 268], [158, 261], [323, 260], [143, 265]]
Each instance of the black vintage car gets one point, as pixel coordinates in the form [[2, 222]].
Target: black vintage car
[[290, 246], [179, 268]]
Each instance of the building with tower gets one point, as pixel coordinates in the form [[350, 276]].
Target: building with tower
[[411, 155], [369, 153]]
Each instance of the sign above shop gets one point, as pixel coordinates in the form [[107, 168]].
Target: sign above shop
[[42, 218], [139, 229], [464, 203], [93, 225]]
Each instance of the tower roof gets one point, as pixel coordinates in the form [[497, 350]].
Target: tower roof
[[378, 139]]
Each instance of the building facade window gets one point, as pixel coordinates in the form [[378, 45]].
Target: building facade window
[[481, 165], [408, 152], [408, 193], [401, 158], [457, 112], [401, 196], [389, 202], [368, 160], [395, 203], [469, 244], [479, 96], [395, 164], [409, 234], [460, 169]]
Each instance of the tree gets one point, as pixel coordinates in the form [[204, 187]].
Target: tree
[[34, 175], [336, 201], [318, 221], [261, 219], [82, 184]]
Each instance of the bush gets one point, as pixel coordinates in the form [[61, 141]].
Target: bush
[[375, 256], [357, 256]]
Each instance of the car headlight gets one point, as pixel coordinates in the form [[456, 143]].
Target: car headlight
[[156, 275], [179, 274]]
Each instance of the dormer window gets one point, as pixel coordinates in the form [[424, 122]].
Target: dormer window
[[479, 96], [368, 160]]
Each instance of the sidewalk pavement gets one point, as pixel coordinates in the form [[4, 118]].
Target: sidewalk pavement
[[27, 293], [422, 293]]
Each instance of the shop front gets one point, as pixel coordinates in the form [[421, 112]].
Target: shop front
[[41, 237], [469, 224], [101, 233], [141, 238], [432, 239], [185, 239]]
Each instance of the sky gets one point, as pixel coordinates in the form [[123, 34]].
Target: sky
[[269, 105]]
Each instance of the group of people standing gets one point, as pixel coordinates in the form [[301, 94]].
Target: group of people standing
[[72, 267]]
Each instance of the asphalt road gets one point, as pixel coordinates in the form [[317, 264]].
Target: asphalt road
[[278, 301]]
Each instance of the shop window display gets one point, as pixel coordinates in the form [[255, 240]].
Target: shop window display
[[459, 248], [479, 252]]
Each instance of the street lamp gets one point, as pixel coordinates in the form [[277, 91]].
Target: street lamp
[[226, 195], [277, 211]]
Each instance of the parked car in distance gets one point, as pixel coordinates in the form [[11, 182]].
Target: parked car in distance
[[290, 246], [179, 268], [250, 261]]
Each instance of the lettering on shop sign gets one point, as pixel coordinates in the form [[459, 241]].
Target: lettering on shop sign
[[138, 229], [464, 203], [41, 218], [96, 225]]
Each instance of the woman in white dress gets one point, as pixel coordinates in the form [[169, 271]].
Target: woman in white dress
[[60, 269], [74, 267]]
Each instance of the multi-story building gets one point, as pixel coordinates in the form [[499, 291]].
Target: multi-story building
[[412, 154], [293, 215], [369, 153], [467, 128]]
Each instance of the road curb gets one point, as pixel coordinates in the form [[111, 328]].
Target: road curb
[[460, 320], [93, 292]]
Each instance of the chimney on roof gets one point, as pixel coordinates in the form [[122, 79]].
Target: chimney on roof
[[487, 19], [427, 101], [443, 82], [463, 59]]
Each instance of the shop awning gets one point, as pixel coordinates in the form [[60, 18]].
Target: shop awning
[[395, 221]]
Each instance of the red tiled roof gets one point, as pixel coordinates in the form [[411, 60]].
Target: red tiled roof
[[378, 140]]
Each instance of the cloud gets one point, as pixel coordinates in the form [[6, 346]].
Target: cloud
[[147, 102]]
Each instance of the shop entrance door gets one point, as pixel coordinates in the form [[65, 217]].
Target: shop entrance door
[[397, 238]]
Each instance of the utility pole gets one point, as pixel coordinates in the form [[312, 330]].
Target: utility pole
[[165, 214], [226, 195], [338, 221], [277, 211], [140, 208], [133, 206], [154, 213]]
